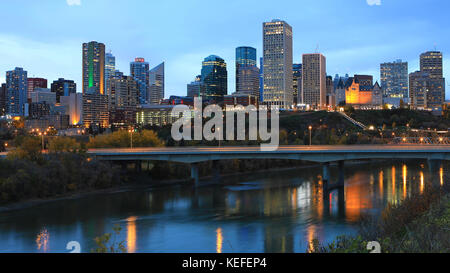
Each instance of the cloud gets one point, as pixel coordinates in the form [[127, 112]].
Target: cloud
[[77, 2], [369, 2]]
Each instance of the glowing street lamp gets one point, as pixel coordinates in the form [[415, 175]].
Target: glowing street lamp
[[310, 135], [131, 131]]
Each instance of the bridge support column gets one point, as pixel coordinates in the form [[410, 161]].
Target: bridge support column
[[326, 175], [216, 171], [195, 174], [341, 178], [433, 166]]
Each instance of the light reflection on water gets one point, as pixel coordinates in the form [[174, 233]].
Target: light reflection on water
[[280, 211]]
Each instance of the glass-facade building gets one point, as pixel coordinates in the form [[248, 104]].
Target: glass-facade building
[[394, 79], [94, 68], [297, 83], [157, 84], [215, 77], [247, 72], [140, 71], [63, 87], [110, 68], [16, 91]]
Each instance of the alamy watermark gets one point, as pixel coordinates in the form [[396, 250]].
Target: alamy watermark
[[213, 129]]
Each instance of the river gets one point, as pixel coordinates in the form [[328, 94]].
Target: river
[[277, 211]]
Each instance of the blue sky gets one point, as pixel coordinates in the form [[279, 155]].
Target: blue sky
[[45, 36]]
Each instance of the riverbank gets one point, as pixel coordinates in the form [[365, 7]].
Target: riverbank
[[420, 224]]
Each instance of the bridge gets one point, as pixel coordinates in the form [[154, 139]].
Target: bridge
[[319, 154]]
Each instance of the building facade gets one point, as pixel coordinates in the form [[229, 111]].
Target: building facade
[[3, 99], [140, 71], [94, 68], [247, 71], [297, 83], [16, 91], [95, 110], [394, 79], [110, 67], [157, 115], [278, 63], [314, 80], [74, 108], [196, 88], [157, 84], [63, 87], [426, 92], [34, 83], [43, 95], [215, 78]]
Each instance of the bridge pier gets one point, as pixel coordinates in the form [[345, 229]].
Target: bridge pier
[[433, 167], [326, 175], [341, 177], [195, 174]]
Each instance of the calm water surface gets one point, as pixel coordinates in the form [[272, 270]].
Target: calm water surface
[[271, 212]]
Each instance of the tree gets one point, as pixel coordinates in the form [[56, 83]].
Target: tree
[[64, 145], [29, 149]]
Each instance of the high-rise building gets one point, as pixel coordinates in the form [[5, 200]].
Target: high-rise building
[[196, 88], [123, 93], [261, 79], [110, 67], [2, 99], [215, 77], [157, 84], [394, 79], [63, 87], [426, 92], [95, 110], [94, 68], [314, 80], [278, 62], [331, 97], [34, 83], [16, 91], [297, 83], [247, 71], [43, 95], [431, 63], [140, 71]]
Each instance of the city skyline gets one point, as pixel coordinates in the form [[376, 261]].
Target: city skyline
[[58, 55]]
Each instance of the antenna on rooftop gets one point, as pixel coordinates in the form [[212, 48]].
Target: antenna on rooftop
[[317, 48]]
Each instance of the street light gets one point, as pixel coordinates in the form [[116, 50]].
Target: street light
[[310, 135], [131, 131]]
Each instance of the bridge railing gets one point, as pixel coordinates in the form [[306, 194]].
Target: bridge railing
[[421, 140]]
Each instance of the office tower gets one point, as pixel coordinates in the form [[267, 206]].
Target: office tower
[[123, 93], [431, 63], [95, 110], [63, 87], [314, 80], [140, 71], [2, 99], [74, 107], [34, 83], [196, 88], [157, 84], [247, 71], [94, 68], [278, 83], [261, 79], [110, 67], [394, 79], [215, 78], [16, 91], [297, 83], [426, 92]]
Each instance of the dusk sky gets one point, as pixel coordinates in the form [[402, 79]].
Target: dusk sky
[[45, 37]]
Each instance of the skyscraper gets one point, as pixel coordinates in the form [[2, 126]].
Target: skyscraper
[[34, 83], [2, 99], [140, 71], [394, 79], [16, 91], [215, 77], [157, 84], [261, 79], [278, 62], [314, 80], [426, 92], [63, 87], [123, 97], [297, 83], [431, 63], [110, 67], [94, 68], [247, 72]]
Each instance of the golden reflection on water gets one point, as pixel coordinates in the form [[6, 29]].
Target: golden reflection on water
[[381, 180], [405, 176], [42, 240], [394, 199], [422, 182], [441, 175], [311, 236], [131, 234], [219, 241]]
